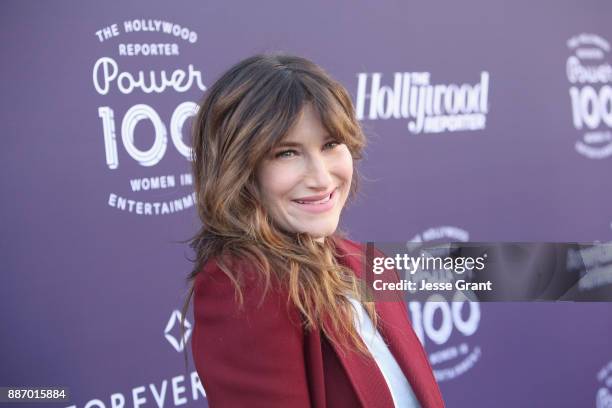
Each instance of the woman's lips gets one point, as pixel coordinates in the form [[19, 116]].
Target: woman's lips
[[314, 198], [318, 206]]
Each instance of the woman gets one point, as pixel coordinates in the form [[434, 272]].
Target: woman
[[279, 320]]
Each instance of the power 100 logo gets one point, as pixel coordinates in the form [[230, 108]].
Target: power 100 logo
[[143, 80], [447, 330], [590, 75]]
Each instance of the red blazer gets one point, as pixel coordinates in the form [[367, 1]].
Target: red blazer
[[259, 357]]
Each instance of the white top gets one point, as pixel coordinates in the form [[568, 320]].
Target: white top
[[400, 388]]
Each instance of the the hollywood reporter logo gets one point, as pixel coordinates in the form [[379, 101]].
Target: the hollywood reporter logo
[[119, 128], [429, 108], [591, 94]]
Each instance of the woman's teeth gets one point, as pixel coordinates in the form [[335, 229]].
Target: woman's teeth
[[324, 200]]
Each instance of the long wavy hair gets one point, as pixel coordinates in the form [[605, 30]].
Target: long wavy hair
[[243, 116]]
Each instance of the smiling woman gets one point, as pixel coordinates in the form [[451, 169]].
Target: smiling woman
[[280, 317]]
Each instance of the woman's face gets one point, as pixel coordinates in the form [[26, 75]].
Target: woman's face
[[305, 180]]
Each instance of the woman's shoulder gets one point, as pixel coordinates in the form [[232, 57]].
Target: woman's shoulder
[[216, 269], [247, 352], [249, 348], [348, 247], [236, 285], [347, 243], [356, 249]]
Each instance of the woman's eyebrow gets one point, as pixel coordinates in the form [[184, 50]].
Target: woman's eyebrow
[[297, 144], [288, 144]]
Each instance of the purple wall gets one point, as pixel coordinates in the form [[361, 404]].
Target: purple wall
[[516, 145]]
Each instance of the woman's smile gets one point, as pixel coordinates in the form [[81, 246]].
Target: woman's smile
[[318, 206]]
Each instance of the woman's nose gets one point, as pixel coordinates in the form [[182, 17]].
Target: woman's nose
[[318, 173]]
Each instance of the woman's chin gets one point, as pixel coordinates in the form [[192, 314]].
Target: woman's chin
[[321, 233]]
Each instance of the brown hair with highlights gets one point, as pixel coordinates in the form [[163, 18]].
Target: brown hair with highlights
[[244, 115]]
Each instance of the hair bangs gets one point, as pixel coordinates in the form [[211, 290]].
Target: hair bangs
[[337, 116]]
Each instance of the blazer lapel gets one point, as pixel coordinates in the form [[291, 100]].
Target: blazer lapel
[[409, 353], [365, 376], [314, 368]]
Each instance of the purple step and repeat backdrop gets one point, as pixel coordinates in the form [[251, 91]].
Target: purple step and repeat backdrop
[[487, 120]]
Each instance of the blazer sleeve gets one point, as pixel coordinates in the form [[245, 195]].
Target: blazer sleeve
[[248, 357]]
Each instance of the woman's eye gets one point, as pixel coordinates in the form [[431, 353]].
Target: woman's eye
[[331, 145], [285, 153]]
